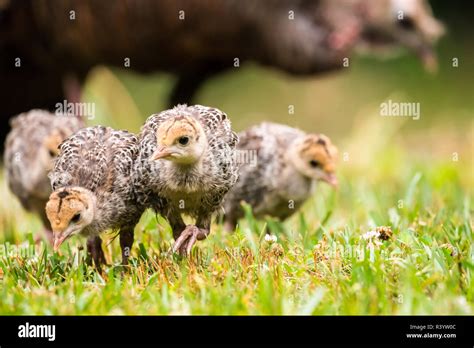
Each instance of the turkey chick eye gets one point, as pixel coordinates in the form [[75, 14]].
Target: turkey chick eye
[[76, 218], [51, 153], [183, 140], [314, 164]]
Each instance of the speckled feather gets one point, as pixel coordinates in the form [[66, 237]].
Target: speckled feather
[[101, 160], [203, 189]]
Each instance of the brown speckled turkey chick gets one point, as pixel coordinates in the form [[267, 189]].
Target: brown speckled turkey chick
[[30, 150], [93, 189], [286, 163], [186, 166]]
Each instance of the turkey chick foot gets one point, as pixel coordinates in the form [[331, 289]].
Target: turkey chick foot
[[188, 238]]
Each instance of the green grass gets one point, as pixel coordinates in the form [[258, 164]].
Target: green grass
[[393, 172], [320, 264]]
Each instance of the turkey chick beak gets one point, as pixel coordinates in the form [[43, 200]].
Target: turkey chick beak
[[161, 152], [429, 59], [59, 238], [331, 179]]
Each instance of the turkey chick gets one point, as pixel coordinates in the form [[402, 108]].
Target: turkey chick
[[186, 166], [286, 164], [30, 150], [92, 189]]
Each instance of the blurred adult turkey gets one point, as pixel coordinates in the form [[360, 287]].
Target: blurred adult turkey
[[48, 47]]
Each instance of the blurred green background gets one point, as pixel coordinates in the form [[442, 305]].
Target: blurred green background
[[337, 104]]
